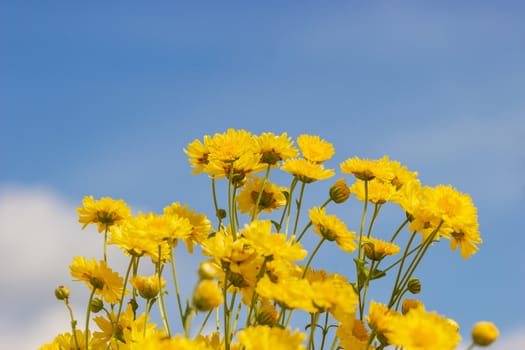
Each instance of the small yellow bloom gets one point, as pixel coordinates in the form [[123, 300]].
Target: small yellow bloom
[[97, 275], [353, 335], [271, 338], [377, 249], [314, 148], [274, 148], [198, 153], [339, 192], [484, 333], [207, 295], [271, 198], [307, 171], [104, 212], [148, 286], [332, 229]]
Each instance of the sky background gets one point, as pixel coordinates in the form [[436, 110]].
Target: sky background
[[100, 99]]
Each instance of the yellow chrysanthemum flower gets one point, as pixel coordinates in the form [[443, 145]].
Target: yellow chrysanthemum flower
[[68, 341], [290, 293], [272, 197], [231, 145], [236, 171], [207, 295], [353, 335], [198, 153], [379, 317], [422, 330], [271, 338], [332, 229], [104, 212], [315, 149], [97, 275], [307, 171], [336, 295], [377, 249], [148, 286], [200, 225], [274, 148], [378, 192], [271, 245], [367, 169]]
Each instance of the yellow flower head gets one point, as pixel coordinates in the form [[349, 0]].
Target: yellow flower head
[[290, 293], [200, 225], [353, 335], [104, 212], [231, 145], [367, 169], [271, 338], [97, 275], [335, 294], [419, 329], [198, 153], [484, 333], [274, 148], [379, 317], [148, 286], [271, 245], [377, 192], [207, 295], [307, 171], [236, 171], [332, 229], [315, 149], [377, 249], [271, 198]]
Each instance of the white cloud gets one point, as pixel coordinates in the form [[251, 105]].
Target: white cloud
[[510, 340]]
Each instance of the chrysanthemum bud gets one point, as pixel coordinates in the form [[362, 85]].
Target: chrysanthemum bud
[[148, 286], [62, 292], [484, 333], [414, 285], [220, 213], [207, 295], [208, 270], [96, 305], [409, 304], [268, 315], [339, 192]]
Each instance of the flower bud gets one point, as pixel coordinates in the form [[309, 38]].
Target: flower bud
[[409, 304], [268, 315], [62, 292], [208, 270], [414, 285], [96, 305], [339, 192], [220, 213], [148, 286], [207, 295], [484, 333]]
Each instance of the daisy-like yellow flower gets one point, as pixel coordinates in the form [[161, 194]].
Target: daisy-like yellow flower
[[272, 197], [273, 148], [422, 330], [104, 212], [148, 286], [400, 174], [379, 317], [268, 244], [231, 145], [336, 295], [207, 295], [332, 229], [271, 338], [200, 225], [377, 249], [198, 153], [236, 171], [367, 169], [68, 341], [315, 149], [106, 325], [379, 192], [290, 293], [353, 335], [307, 171], [97, 275]]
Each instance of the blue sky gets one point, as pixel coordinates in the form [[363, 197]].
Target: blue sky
[[100, 99]]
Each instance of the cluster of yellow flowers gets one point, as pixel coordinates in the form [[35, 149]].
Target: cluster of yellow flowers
[[253, 276]]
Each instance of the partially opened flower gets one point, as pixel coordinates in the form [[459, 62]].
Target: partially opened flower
[[332, 229]]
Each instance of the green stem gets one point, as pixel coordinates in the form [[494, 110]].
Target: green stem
[[394, 236], [201, 328], [162, 305], [105, 243], [215, 202], [231, 203], [126, 279], [227, 315], [298, 212], [362, 300], [398, 275], [176, 284], [313, 323], [471, 346], [325, 330], [363, 218], [312, 256], [286, 210], [73, 322], [88, 313], [377, 207]]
